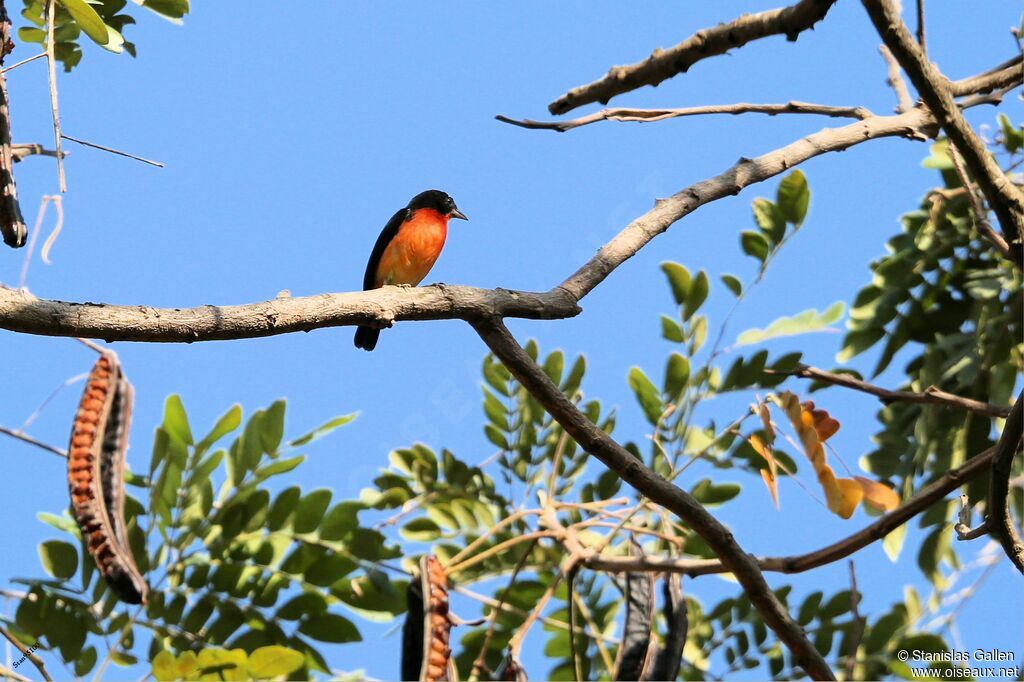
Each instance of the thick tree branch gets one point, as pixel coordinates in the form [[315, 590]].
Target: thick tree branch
[[930, 395], [708, 42], [999, 520], [22, 312], [657, 489], [1003, 196], [648, 115], [925, 498], [914, 124]]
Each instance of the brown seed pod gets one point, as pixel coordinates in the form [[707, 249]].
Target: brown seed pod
[[426, 650], [12, 225], [635, 650], [99, 440], [668, 658], [510, 670]]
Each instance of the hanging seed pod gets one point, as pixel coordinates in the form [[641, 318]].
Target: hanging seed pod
[[12, 225], [669, 658], [426, 654], [634, 650], [99, 441]]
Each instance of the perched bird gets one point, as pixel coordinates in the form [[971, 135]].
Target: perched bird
[[407, 248]]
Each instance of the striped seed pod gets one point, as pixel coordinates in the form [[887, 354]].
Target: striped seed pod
[[99, 440], [426, 654]]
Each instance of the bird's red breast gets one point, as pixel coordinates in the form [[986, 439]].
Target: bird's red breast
[[413, 251]]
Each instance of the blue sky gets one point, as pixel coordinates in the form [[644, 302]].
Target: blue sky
[[292, 134]]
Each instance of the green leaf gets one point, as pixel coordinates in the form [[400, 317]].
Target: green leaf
[[770, 219], [1013, 138], [59, 558], [60, 523], [857, 342], [311, 510], [279, 466], [171, 10], [734, 284], [163, 667], [709, 494], [420, 530], [678, 279], [697, 295], [754, 244], [86, 17], [228, 422], [323, 429], [793, 197], [808, 321], [341, 520], [671, 330], [646, 394], [893, 543], [940, 159], [330, 627], [677, 374], [272, 661], [175, 419], [272, 426]]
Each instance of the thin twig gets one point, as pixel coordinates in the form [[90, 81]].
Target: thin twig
[[481, 658], [92, 345], [112, 151], [12, 67], [54, 106], [895, 80], [53, 394], [509, 608], [649, 115], [920, 27], [58, 206], [923, 500], [978, 210], [930, 395], [32, 441], [30, 655], [858, 625]]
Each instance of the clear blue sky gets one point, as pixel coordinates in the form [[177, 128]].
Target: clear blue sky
[[292, 133]]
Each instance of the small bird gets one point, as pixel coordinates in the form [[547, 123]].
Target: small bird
[[407, 248]]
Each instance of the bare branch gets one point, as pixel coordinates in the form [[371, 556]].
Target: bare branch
[[930, 395], [1003, 196], [647, 115], [708, 42], [657, 489], [895, 80], [914, 124], [23, 312], [925, 498], [1000, 522], [12, 67], [980, 214]]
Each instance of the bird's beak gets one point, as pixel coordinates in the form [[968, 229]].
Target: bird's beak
[[456, 213]]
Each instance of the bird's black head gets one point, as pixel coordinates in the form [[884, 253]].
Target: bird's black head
[[439, 201]]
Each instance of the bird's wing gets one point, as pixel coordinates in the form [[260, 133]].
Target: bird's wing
[[386, 235]]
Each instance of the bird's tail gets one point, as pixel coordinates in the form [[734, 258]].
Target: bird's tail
[[366, 338]]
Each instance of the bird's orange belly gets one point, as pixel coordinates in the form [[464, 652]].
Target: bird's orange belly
[[413, 252]]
